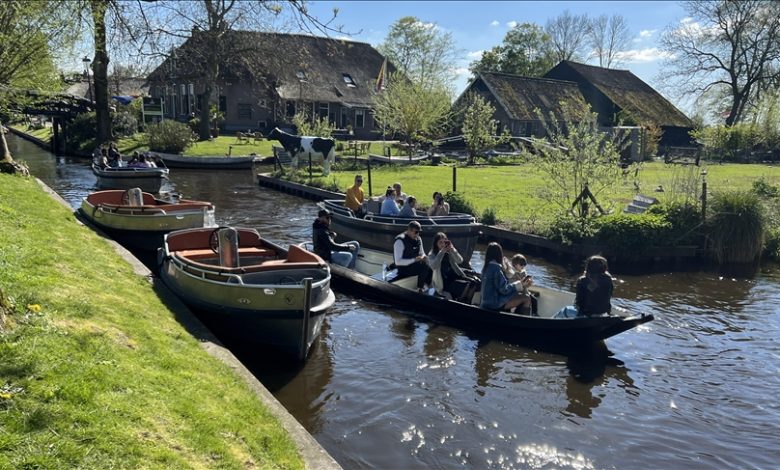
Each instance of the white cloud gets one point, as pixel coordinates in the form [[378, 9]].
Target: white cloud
[[475, 54], [461, 71], [646, 33], [494, 23], [511, 24], [651, 54], [686, 20]]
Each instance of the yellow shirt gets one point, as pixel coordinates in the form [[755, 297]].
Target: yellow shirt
[[354, 198]]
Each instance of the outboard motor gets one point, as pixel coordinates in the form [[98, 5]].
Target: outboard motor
[[228, 247], [135, 197]]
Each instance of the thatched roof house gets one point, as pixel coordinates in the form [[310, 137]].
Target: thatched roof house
[[266, 77], [619, 93], [517, 99]]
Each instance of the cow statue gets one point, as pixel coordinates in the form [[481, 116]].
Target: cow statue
[[301, 147]]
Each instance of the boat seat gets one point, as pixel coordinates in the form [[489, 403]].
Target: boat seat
[[183, 206], [209, 253]]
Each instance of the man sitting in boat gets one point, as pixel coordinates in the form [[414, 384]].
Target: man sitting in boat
[[400, 196], [409, 256], [355, 197], [389, 206], [325, 247], [409, 209]]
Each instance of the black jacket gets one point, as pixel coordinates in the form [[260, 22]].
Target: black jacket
[[323, 241]]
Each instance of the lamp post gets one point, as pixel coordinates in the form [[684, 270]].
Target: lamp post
[[87, 62]]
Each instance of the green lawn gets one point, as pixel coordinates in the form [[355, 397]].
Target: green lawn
[[45, 133], [516, 192], [95, 371]]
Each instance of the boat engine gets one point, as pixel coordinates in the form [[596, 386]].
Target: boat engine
[[134, 197], [228, 247]]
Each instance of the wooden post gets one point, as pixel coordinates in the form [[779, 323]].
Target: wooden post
[[703, 199], [304, 346], [55, 142], [454, 179], [310, 165], [368, 166]]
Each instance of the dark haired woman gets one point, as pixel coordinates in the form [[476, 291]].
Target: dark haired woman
[[448, 279], [497, 292], [594, 288]]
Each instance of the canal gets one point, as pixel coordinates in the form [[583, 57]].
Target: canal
[[696, 388]]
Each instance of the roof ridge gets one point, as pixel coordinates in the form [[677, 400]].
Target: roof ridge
[[303, 35], [544, 79]]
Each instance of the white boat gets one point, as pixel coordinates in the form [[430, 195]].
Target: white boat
[[138, 220], [207, 163], [249, 288], [148, 179]]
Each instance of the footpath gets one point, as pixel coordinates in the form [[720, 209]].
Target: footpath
[[102, 367]]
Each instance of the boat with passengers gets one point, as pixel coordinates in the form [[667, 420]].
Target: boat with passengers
[[372, 277], [248, 287], [148, 179], [379, 231]]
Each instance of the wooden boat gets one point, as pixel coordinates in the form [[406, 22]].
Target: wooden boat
[[398, 160], [139, 221], [206, 163], [558, 334], [379, 231], [148, 179], [248, 287]]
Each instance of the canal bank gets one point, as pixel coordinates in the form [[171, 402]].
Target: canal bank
[[91, 342]]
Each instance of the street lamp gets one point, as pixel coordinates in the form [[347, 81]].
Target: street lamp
[[87, 62]]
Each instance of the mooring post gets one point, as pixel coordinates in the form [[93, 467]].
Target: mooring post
[[304, 346], [703, 199], [368, 167], [310, 165], [454, 179]]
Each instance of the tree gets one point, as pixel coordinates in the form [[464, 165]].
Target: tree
[[526, 50], [732, 47], [420, 51], [411, 109], [207, 26], [608, 36], [479, 128], [27, 31], [568, 36], [576, 156]]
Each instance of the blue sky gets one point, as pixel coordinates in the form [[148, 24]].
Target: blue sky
[[476, 26]]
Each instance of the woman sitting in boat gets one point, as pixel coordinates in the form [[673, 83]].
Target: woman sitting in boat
[[409, 209], [594, 288], [439, 206], [448, 278], [389, 206], [142, 163], [497, 292], [409, 256], [325, 247]]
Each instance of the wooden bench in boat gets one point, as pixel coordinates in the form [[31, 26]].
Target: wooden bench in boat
[[296, 259]]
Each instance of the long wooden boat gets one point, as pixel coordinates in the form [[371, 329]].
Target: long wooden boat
[[206, 163], [369, 278], [148, 179], [248, 287], [399, 160], [139, 221], [379, 231]]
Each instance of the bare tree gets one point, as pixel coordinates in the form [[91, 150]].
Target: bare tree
[[727, 46], [568, 35], [608, 36]]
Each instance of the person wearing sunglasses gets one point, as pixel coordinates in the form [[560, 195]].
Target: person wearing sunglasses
[[355, 196], [409, 256], [343, 254]]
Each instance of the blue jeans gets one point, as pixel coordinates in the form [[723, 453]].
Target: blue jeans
[[346, 258]]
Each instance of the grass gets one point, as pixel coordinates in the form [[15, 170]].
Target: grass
[[516, 192], [94, 370], [45, 133]]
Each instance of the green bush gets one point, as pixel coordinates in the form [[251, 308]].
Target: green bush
[[458, 203], [489, 217], [684, 220], [764, 189], [736, 227], [631, 234], [194, 125], [169, 136], [82, 133], [123, 121], [568, 229], [772, 244]]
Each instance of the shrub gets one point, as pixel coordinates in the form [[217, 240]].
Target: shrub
[[685, 224], [631, 234], [458, 203], [82, 133], [763, 189], [489, 217], [568, 229], [169, 136], [737, 227], [123, 121], [194, 125]]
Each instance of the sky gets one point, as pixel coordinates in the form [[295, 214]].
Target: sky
[[479, 25]]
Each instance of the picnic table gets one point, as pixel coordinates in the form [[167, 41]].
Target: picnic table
[[245, 137]]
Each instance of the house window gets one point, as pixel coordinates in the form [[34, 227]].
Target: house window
[[244, 111], [348, 80], [192, 89], [290, 108], [182, 89], [360, 118], [223, 104], [323, 111]]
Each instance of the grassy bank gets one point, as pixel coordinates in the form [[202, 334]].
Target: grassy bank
[[94, 370], [516, 192], [45, 133]]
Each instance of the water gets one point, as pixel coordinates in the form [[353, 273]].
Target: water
[[382, 389]]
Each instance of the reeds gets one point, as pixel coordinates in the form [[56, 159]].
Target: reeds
[[736, 227]]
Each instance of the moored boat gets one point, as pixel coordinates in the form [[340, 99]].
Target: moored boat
[[206, 163], [248, 287], [148, 179], [542, 330], [379, 231], [138, 220]]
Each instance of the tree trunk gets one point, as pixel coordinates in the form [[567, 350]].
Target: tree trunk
[[7, 157], [100, 71], [205, 111]]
